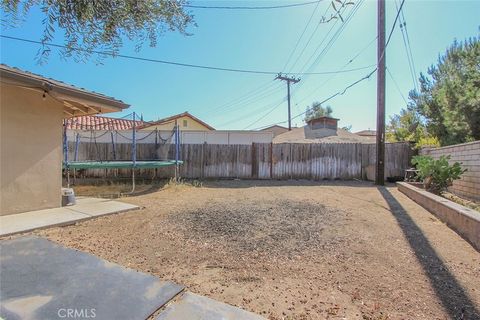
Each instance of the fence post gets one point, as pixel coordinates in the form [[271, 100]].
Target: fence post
[[202, 169], [271, 160], [254, 160]]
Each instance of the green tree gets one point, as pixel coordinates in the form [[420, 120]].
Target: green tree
[[409, 126], [316, 110], [449, 97], [100, 25]]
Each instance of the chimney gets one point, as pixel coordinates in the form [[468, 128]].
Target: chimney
[[323, 123]]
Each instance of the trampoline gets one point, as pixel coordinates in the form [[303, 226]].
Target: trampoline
[[144, 164], [121, 164]]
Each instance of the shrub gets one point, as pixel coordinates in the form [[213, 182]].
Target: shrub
[[437, 175]]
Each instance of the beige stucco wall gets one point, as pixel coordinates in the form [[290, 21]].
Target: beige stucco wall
[[192, 125], [30, 150]]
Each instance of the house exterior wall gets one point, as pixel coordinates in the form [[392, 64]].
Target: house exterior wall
[[226, 137], [30, 150], [191, 125]]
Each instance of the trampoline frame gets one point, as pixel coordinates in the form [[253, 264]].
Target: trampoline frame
[[122, 164]]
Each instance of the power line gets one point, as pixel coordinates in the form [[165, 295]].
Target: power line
[[408, 50], [332, 40], [253, 113], [397, 86], [301, 36], [250, 100], [265, 115], [333, 76], [181, 64], [252, 93], [342, 92], [330, 43], [310, 38], [288, 80], [393, 26], [252, 7]]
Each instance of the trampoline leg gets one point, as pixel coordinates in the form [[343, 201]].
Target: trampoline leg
[[68, 178], [133, 181]]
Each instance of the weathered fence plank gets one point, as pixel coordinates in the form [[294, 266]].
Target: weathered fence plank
[[258, 161]]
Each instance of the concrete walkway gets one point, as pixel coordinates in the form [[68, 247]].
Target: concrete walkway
[[86, 208], [44, 280]]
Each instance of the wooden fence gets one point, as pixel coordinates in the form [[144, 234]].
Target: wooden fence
[[257, 161]]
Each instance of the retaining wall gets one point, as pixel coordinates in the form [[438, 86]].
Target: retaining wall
[[465, 221], [469, 155]]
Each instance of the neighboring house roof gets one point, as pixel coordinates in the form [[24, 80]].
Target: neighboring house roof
[[369, 133], [76, 101], [275, 129], [298, 135], [175, 117], [276, 126], [101, 123]]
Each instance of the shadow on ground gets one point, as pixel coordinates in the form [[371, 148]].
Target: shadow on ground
[[448, 290]]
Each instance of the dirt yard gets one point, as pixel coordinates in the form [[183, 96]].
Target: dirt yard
[[294, 250]]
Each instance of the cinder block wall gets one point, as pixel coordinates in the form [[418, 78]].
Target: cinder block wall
[[469, 155]]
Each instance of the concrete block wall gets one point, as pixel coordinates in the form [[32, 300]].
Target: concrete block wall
[[465, 221], [469, 155]]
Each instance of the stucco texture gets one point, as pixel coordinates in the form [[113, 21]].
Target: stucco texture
[[31, 150]]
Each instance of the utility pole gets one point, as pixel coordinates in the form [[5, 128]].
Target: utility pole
[[288, 80], [380, 142]]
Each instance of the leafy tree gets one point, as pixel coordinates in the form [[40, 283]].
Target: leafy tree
[[449, 97], [408, 125], [316, 110], [100, 25]]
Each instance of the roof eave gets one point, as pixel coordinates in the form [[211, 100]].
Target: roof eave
[[62, 92]]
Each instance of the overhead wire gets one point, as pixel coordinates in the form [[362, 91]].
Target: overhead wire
[[181, 64], [252, 7], [333, 39], [406, 43], [397, 86], [301, 36], [310, 39], [342, 92], [254, 94], [250, 102], [327, 47], [265, 115], [344, 66], [253, 112], [241, 98]]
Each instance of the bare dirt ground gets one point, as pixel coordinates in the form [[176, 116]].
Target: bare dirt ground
[[294, 250]]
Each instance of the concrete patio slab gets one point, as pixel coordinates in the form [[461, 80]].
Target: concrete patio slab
[[194, 307], [86, 208], [43, 280]]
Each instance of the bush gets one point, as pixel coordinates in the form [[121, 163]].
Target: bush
[[437, 175]]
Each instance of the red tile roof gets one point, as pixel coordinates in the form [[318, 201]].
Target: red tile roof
[[100, 123]]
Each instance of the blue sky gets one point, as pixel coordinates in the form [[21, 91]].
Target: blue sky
[[260, 40]]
